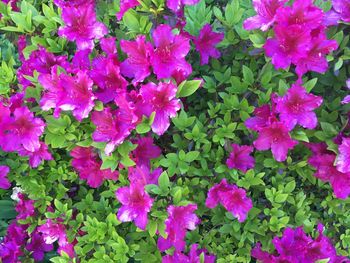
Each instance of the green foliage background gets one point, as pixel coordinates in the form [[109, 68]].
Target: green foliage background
[[195, 148]]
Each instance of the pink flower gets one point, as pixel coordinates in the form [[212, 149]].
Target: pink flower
[[170, 52], [88, 165], [206, 43], [163, 102], [81, 26], [142, 175], [106, 75], [180, 219], [297, 106], [136, 204], [66, 92], [343, 159], [22, 130], [261, 118], [125, 5], [176, 5], [193, 257], [343, 8], [145, 151], [240, 158], [231, 197], [108, 46], [277, 138], [296, 246], [35, 158], [266, 14], [25, 207], [4, 182], [38, 246], [290, 44], [302, 12], [113, 126], [137, 65], [316, 60]]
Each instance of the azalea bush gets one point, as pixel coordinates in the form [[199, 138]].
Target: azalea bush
[[174, 131]]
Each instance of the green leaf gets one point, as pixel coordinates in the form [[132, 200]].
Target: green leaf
[[248, 75], [187, 88], [163, 181], [7, 209]]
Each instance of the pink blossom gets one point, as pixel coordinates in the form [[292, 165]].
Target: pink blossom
[[302, 12], [81, 26], [170, 52], [180, 219], [297, 106], [343, 159], [231, 197], [261, 118], [75, 3], [136, 204], [137, 65], [277, 138], [80, 61], [25, 207], [193, 257], [36, 158], [125, 5], [342, 7], [206, 43], [290, 44], [296, 246], [38, 246], [266, 14], [106, 75], [66, 92], [22, 130], [176, 5], [108, 46], [88, 165], [163, 102], [113, 126], [4, 182], [143, 176], [240, 158], [145, 151]]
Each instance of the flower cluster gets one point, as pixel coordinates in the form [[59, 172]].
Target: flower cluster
[[295, 107], [299, 34], [296, 246], [231, 197]]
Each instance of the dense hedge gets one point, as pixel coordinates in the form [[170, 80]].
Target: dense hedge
[[174, 131]]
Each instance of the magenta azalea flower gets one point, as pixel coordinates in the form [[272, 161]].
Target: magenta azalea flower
[[81, 26], [297, 106], [25, 207], [143, 176], [106, 75], [36, 158], [343, 8], [22, 130], [145, 151], [180, 219], [193, 257], [316, 56], [323, 160], [163, 102], [137, 65], [66, 92], [170, 52], [240, 158], [136, 204], [206, 43], [176, 5], [343, 159], [277, 138], [261, 118], [88, 165], [302, 12], [266, 14], [38, 246], [290, 44], [231, 197], [125, 5], [4, 182], [113, 126], [296, 246]]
